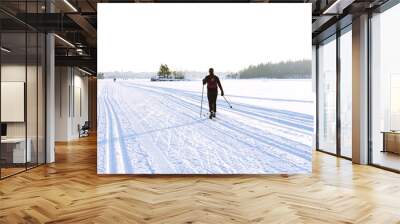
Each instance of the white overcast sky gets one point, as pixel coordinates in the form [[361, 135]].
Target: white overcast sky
[[228, 37]]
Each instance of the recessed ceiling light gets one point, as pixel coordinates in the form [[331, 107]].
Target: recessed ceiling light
[[84, 71], [5, 50], [64, 40], [338, 6], [70, 5]]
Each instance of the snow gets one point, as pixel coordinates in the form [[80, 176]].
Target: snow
[[155, 127]]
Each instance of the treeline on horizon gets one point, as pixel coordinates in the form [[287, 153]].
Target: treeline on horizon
[[300, 69]]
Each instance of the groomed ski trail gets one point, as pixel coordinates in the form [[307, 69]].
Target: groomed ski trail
[[160, 131]]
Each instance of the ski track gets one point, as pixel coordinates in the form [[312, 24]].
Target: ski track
[[157, 157], [195, 94], [192, 104], [254, 135], [106, 155], [285, 119], [150, 129], [120, 146], [102, 163], [116, 150]]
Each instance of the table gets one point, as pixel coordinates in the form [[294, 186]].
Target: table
[[13, 150], [391, 141]]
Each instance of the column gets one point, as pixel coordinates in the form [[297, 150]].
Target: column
[[360, 90]]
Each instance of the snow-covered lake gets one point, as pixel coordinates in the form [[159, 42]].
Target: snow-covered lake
[[156, 128]]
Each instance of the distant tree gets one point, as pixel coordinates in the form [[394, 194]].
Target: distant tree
[[100, 75], [281, 70], [164, 71], [178, 75], [232, 76]]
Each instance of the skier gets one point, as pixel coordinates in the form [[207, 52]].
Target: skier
[[212, 91]]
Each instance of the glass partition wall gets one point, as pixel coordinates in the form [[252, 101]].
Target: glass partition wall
[[346, 95], [13, 90], [327, 95], [334, 71], [385, 89], [22, 78], [334, 74]]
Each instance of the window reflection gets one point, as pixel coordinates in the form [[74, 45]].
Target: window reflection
[[327, 96], [346, 94], [385, 95]]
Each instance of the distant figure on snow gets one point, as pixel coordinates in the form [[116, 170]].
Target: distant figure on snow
[[212, 91]]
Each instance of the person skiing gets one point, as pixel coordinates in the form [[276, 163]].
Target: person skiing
[[212, 91]]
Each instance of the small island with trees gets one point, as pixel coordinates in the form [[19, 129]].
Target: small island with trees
[[165, 74]]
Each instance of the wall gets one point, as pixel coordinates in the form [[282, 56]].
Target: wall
[[92, 98], [14, 73], [17, 73], [62, 82], [314, 90], [80, 102], [71, 102]]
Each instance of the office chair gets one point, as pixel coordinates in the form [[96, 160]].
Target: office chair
[[84, 130]]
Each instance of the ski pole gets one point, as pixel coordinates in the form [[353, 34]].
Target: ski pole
[[227, 102], [201, 106]]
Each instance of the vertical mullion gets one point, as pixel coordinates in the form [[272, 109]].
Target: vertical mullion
[[60, 77], [37, 90], [0, 95], [45, 88], [69, 92], [73, 92], [369, 90], [338, 98], [45, 94], [26, 86], [317, 96]]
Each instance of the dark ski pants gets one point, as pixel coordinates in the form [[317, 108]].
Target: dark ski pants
[[212, 100]]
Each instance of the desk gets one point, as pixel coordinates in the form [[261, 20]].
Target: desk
[[15, 148], [391, 141]]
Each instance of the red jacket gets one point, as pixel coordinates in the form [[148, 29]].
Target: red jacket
[[212, 83]]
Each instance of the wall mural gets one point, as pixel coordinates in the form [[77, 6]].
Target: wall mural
[[204, 89]]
